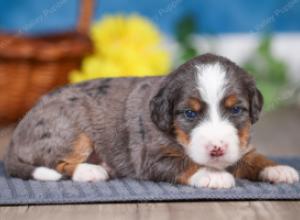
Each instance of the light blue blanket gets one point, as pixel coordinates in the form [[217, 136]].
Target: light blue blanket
[[15, 191]]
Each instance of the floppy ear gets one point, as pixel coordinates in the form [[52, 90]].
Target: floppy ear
[[162, 104], [256, 102]]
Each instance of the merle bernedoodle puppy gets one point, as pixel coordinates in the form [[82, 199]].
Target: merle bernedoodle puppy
[[190, 127]]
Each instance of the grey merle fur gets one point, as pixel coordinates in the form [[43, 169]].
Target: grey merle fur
[[129, 120]]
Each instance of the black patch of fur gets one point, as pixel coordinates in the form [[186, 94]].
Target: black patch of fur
[[142, 129], [46, 135], [73, 99], [256, 104], [40, 122], [103, 88], [144, 86]]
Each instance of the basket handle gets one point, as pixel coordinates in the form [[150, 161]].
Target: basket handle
[[85, 16]]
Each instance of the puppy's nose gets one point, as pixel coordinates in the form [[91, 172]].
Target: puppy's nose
[[218, 151]]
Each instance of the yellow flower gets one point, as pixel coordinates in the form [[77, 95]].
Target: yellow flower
[[124, 47]]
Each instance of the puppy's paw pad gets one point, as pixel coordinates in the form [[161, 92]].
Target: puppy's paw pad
[[214, 179], [279, 174], [89, 173]]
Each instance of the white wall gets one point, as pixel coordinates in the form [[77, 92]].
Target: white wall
[[238, 48]]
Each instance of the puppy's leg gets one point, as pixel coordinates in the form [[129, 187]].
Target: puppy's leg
[[174, 166], [256, 167], [85, 172], [51, 141], [207, 177], [74, 165]]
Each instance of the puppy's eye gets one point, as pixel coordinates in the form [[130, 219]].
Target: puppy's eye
[[190, 114], [236, 110]]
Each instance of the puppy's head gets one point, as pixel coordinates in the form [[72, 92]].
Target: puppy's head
[[208, 105]]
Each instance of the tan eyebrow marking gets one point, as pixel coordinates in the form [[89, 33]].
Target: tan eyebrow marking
[[194, 104], [230, 101]]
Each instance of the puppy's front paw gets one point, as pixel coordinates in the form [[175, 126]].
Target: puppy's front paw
[[85, 172], [279, 174], [210, 178]]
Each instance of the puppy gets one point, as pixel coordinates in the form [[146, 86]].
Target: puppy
[[190, 127]]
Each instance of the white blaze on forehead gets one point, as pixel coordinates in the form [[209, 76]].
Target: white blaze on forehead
[[211, 83], [214, 130]]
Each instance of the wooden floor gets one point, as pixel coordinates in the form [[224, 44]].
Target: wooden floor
[[276, 134], [158, 211]]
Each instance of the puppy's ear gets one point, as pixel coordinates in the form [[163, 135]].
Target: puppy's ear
[[256, 102], [162, 104]]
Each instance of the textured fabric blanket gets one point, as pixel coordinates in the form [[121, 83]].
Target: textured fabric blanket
[[15, 191]]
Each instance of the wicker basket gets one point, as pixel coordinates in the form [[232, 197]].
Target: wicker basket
[[31, 66]]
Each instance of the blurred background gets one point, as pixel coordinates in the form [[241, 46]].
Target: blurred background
[[49, 43]]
